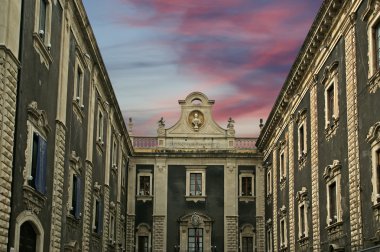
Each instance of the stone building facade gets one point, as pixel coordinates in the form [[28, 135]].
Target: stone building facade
[[320, 143], [73, 177]]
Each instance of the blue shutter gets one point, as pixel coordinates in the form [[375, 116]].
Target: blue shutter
[[78, 200], [100, 218], [40, 180]]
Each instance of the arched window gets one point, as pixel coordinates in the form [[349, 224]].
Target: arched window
[[29, 233]]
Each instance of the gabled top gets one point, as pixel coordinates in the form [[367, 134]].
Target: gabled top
[[196, 119]]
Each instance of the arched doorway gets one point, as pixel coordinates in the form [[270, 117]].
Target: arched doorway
[[28, 237]]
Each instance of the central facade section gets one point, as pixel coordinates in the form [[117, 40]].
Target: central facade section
[[196, 187]]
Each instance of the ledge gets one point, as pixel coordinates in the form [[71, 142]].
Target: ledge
[[195, 198], [144, 198], [78, 110], [330, 130], [33, 200], [374, 82], [42, 50], [247, 199]]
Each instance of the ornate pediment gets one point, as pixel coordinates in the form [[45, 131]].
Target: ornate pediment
[[196, 119]]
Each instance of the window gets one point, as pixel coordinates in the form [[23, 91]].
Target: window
[[246, 185], [195, 240], [78, 83], [143, 244], [330, 80], [269, 182], [283, 233], [37, 170], [282, 166], [303, 204], [75, 196], [114, 154], [112, 229], [195, 183], [377, 48], [302, 137], [196, 232], [143, 238], [332, 176], [42, 18], [373, 138], [124, 167], [269, 240], [97, 216], [247, 245], [144, 188], [247, 240], [100, 129]]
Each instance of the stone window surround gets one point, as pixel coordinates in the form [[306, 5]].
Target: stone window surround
[[32, 218], [302, 200], [282, 152], [373, 138], [41, 40], [330, 78], [332, 174], [202, 171], [374, 22], [283, 243], [96, 198], [301, 121], [143, 229], [139, 195], [100, 125], [75, 170], [78, 97], [112, 225], [269, 181], [115, 148], [250, 174], [247, 230], [195, 220]]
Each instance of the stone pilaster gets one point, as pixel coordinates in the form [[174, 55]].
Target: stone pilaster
[[130, 233], [160, 205], [314, 168], [87, 209], [159, 233], [106, 210], [118, 223], [353, 139], [232, 233], [260, 208], [291, 186], [57, 195], [275, 234], [8, 88]]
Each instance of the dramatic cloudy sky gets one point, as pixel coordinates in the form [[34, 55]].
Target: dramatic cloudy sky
[[237, 52]]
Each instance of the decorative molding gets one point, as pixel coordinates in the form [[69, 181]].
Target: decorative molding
[[331, 171]]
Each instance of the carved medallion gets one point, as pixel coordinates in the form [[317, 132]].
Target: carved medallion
[[196, 120]]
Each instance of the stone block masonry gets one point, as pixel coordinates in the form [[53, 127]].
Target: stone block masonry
[[159, 233], [8, 89], [87, 227], [232, 233]]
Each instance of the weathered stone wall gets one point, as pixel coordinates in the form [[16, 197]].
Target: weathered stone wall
[[159, 233], [232, 233], [87, 207], [8, 89]]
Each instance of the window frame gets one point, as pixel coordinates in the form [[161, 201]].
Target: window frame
[[195, 236], [283, 233], [331, 82], [198, 170], [373, 45], [144, 197], [45, 34], [143, 230], [78, 81], [332, 175], [247, 231], [283, 164], [373, 139], [269, 242], [246, 174], [269, 182], [97, 216], [100, 125], [111, 229]]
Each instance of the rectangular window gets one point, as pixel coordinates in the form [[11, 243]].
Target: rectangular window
[[269, 182], [97, 217], [144, 185], [42, 19], [269, 240], [75, 196], [246, 186], [301, 133], [302, 225], [195, 240], [114, 154], [332, 203], [282, 165], [247, 244], [283, 233], [100, 126], [112, 228], [37, 178], [195, 183], [143, 244], [330, 103], [79, 84]]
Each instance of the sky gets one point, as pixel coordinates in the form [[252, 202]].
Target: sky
[[236, 52]]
